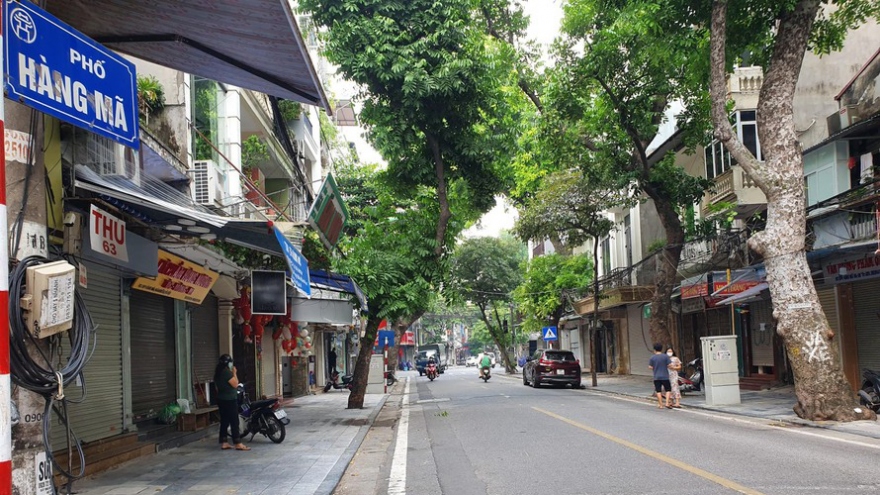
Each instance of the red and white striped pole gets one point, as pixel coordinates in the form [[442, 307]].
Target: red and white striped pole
[[5, 388], [385, 375]]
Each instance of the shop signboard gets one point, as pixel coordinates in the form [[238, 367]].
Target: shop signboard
[[853, 269], [328, 213], [179, 279], [59, 71], [296, 263]]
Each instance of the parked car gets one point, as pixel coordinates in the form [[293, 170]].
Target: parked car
[[471, 361], [552, 366]]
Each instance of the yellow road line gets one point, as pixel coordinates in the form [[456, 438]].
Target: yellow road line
[[656, 455]]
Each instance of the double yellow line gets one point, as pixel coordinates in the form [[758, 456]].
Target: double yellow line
[[656, 455]]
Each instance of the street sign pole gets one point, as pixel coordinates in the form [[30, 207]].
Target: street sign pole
[[5, 389], [385, 375]]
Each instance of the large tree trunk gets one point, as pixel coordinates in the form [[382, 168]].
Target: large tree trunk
[[822, 391], [667, 274], [499, 341], [362, 365], [445, 212]]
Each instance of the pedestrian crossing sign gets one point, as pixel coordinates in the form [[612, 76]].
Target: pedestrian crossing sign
[[549, 333]]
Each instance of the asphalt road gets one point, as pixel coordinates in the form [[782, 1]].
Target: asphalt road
[[460, 436]]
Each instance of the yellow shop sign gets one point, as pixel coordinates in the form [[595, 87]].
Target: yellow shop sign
[[179, 279]]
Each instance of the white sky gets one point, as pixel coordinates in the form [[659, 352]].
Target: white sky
[[545, 16]]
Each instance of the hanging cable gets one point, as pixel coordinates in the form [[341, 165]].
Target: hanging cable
[[34, 370]]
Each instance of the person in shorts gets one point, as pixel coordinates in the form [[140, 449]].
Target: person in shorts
[[659, 363]]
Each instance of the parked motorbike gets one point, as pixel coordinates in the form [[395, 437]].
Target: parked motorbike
[[694, 380], [334, 382], [869, 395], [485, 374], [262, 416], [431, 370]]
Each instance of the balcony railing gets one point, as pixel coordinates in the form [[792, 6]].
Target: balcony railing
[[733, 185]]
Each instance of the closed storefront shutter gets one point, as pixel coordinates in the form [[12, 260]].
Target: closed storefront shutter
[[101, 414], [205, 325], [761, 312], [718, 321], [828, 300], [153, 363], [866, 299]]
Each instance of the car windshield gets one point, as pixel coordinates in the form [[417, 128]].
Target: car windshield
[[559, 356], [422, 355]]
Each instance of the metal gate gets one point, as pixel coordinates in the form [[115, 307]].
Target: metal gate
[[866, 299], [101, 414], [205, 327], [153, 362]]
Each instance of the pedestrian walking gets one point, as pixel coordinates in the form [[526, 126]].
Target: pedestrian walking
[[659, 364], [674, 368]]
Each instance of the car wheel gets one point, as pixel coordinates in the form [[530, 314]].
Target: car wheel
[[535, 382], [525, 382], [576, 384]]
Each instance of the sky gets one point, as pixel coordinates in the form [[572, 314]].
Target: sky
[[545, 17]]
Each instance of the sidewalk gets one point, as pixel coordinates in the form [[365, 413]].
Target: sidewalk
[[774, 404], [322, 437]]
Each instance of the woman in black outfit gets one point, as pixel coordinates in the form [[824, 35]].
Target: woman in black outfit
[[226, 379]]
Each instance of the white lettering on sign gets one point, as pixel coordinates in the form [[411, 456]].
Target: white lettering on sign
[[107, 234], [38, 77], [33, 240], [18, 146]]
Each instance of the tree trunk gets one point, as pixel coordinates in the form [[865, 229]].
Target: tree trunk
[[593, 350], [445, 212], [499, 342], [667, 274], [822, 391], [362, 365]]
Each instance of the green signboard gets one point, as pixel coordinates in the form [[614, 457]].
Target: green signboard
[[328, 214]]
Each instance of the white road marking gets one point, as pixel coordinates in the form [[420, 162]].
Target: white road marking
[[397, 479]]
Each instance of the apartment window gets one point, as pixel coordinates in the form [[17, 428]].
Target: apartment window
[[606, 255], [718, 159]]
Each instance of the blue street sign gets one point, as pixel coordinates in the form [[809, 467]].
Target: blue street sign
[[297, 264], [549, 333], [385, 334], [59, 71]]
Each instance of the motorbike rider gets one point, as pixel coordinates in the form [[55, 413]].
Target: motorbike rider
[[485, 364], [432, 363]]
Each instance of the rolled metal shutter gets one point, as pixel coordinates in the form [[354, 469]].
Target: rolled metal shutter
[[866, 299], [762, 341], [101, 414], [205, 327], [828, 300], [153, 363]]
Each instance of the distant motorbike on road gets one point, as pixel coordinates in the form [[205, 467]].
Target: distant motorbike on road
[[333, 382], [262, 416], [869, 394], [694, 380], [431, 370], [485, 374]]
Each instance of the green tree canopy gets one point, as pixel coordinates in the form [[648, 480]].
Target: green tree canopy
[[541, 296]]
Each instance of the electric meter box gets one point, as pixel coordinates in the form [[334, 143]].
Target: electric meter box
[[48, 302]]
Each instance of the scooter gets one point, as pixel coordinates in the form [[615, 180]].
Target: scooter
[[431, 370], [869, 395], [333, 382], [485, 374], [262, 416], [694, 382]]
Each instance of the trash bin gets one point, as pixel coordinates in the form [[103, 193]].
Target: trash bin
[[721, 370]]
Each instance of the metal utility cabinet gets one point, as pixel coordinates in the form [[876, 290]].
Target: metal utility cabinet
[[721, 370]]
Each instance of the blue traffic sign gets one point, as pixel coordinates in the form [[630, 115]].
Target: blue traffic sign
[[57, 70], [549, 333], [385, 337]]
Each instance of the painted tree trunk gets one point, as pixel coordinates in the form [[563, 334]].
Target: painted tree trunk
[[821, 389], [362, 365]]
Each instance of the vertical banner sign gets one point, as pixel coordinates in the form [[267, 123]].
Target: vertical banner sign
[[296, 263], [57, 70], [107, 234]]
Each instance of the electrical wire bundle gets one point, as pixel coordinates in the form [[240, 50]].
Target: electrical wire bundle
[[32, 368]]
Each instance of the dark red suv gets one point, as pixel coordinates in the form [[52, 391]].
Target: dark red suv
[[552, 366]]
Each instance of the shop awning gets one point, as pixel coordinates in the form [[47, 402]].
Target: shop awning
[[159, 205], [254, 44], [745, 296], [336, 282]]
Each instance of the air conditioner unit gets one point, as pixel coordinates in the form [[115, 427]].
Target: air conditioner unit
[[843, 118], [107, 157], [205, 183]]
